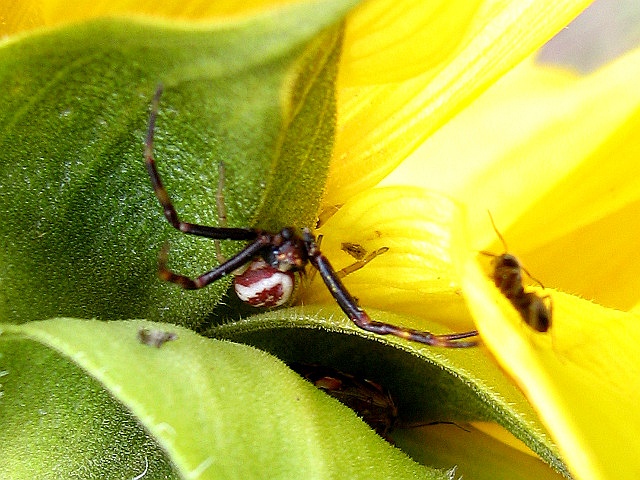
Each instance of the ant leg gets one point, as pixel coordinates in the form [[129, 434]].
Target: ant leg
[[163, 197], [360, 317], [220, 271], [358, 264], [532, 277], [553, 337]]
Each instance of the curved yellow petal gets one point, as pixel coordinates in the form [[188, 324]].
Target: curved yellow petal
[[387, 105], [588, 221], [416, 275], [581, 376], [554, 158], [537, 124], [395, 41], [25, 15], [487, 155]]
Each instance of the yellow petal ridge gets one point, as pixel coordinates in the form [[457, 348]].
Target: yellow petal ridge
[[29, 14], [380, 124], [416, 276]]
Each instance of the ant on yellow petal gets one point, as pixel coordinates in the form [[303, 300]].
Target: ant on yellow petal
[[507, 276]]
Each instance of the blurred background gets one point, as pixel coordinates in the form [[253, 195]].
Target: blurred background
[[605, 30]]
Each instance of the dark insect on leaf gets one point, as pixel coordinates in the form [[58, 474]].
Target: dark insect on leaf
[[370, 400], [155, 338]]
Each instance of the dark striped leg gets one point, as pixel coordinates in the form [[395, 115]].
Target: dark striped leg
[[360, 317], [170, 213], [220, 271]]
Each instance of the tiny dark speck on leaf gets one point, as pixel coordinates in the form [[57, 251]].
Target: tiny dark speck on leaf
[[155, 338]]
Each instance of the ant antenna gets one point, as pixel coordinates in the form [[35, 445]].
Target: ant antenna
[[495, 229], [532, 277], [506, 249]]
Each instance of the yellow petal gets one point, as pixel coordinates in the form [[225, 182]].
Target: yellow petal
[[588, 221], [25, 15], [555, 160], [380, 124], [581, 376], [487, 155], [416, 276]]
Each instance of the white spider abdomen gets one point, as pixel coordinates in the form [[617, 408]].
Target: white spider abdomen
[[262, 285]]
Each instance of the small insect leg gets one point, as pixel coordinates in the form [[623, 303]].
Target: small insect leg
[[358, 264], [222, 211]]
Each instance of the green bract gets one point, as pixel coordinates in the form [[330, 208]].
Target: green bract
[[218, 410], [83, 223]]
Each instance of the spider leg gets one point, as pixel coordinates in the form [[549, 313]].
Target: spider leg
[[235, 262], [362, 319], [222, 211], [170, 213], [358, 264]]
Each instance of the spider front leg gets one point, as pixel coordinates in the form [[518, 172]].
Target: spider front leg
[[170, 213], [362, 319], [220, 271], [217, 233]]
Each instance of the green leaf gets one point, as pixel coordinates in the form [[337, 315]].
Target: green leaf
[[85, 227], [57, 422], [428, 384], [216, 409]]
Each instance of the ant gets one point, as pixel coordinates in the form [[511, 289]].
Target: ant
[[358, 252], [287, 251], [507, 276], [361, 255]]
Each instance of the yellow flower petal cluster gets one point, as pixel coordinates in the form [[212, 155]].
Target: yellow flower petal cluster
[[30, 14], [553, 156], [409, 67]]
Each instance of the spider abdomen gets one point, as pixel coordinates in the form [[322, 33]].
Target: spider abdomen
[[262, 285]]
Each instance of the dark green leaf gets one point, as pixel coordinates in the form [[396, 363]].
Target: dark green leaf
[[428, 384], [83, 223], [57, 422]]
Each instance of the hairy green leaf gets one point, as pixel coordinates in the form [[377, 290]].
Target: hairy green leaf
[[217, 409], [429, 384], [84, 225]]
